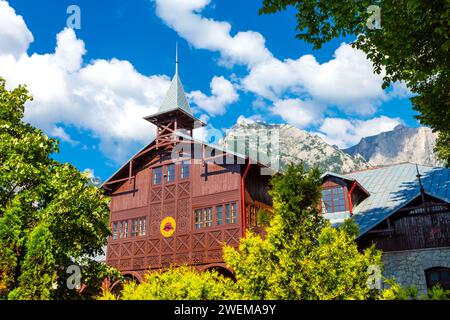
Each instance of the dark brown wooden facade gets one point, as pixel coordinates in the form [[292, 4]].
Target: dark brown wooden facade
[[155, 185], [418, 225]]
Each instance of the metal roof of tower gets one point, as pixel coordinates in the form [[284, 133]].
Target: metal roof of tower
[[175, 97]]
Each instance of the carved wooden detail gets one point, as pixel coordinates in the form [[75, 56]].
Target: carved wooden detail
[[183, 216], [126, 249], [156, 194], [169, 192], [155, 219], [154, 246], [167, 245], [182, 243], [139, 248], [114, 251], [232, 236], [184, 189], [138, 263], [215, 239], [199, 241]]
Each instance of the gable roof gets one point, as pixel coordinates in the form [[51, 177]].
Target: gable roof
[[393, 187]]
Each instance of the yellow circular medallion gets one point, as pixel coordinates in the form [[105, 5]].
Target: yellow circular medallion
[[168, 226]]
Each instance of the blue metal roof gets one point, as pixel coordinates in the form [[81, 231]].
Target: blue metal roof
[[392, 187]]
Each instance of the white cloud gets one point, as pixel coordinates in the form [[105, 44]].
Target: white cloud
[[223, 94], [183, 16], [60, 133], [106, 98], [300, 113], [346, 133], [14, 34], [346, 81], [249, 120]]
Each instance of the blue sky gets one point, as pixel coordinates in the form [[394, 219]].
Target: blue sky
[[93, 85]]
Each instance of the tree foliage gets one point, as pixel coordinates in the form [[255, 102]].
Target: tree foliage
[[411, 45], [182, 283], [302, 256], [50, 215]]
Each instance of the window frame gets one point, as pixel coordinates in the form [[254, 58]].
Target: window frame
[[155, 175], [334, 199], [185, 167], [171, 173]]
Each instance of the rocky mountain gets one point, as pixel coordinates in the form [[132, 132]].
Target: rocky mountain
[[286, 143], [399, 145]]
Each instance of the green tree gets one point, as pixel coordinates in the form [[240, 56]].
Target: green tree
[[50, 215], [302, 256], [411, 43], [182, 283]]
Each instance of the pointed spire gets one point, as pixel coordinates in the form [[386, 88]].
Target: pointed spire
[[175, 97], [422, 190], [176, 58]]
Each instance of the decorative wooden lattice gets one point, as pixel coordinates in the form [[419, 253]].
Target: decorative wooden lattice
[[154, 246], [215, 239], [199, 241], [114, 251], [184, 189], [156, 194], [155, 219], [125, 264], [182, 243], [139, 248], [138, 263], [167, 245], [232, 236], [169, 192], [216, 255], [183, 216], [126, 249]]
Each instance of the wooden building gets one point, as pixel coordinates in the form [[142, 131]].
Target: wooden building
[[178, 200], [403, 209]]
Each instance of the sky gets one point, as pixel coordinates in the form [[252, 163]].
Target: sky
[[96, 69]]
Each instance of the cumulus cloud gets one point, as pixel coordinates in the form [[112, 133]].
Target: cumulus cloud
[[300, 90], [223, 94], [106, 98], [14, 34], [345, 133], [247, 48], [300, 113]]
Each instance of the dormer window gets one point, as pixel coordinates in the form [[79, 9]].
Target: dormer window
[[333, 200]]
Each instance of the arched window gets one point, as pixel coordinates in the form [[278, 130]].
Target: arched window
[[438, 275]]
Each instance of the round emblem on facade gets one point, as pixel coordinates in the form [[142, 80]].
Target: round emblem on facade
[[168, 226]]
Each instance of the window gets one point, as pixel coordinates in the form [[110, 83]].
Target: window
[[198, 216], [208, 217], [185, 170], [228, 213], [231, 213], [333, 200], [170, 173], [123, 229], [438, 276], [157, 175], [115, 230], [219, 215], [138, 227]]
